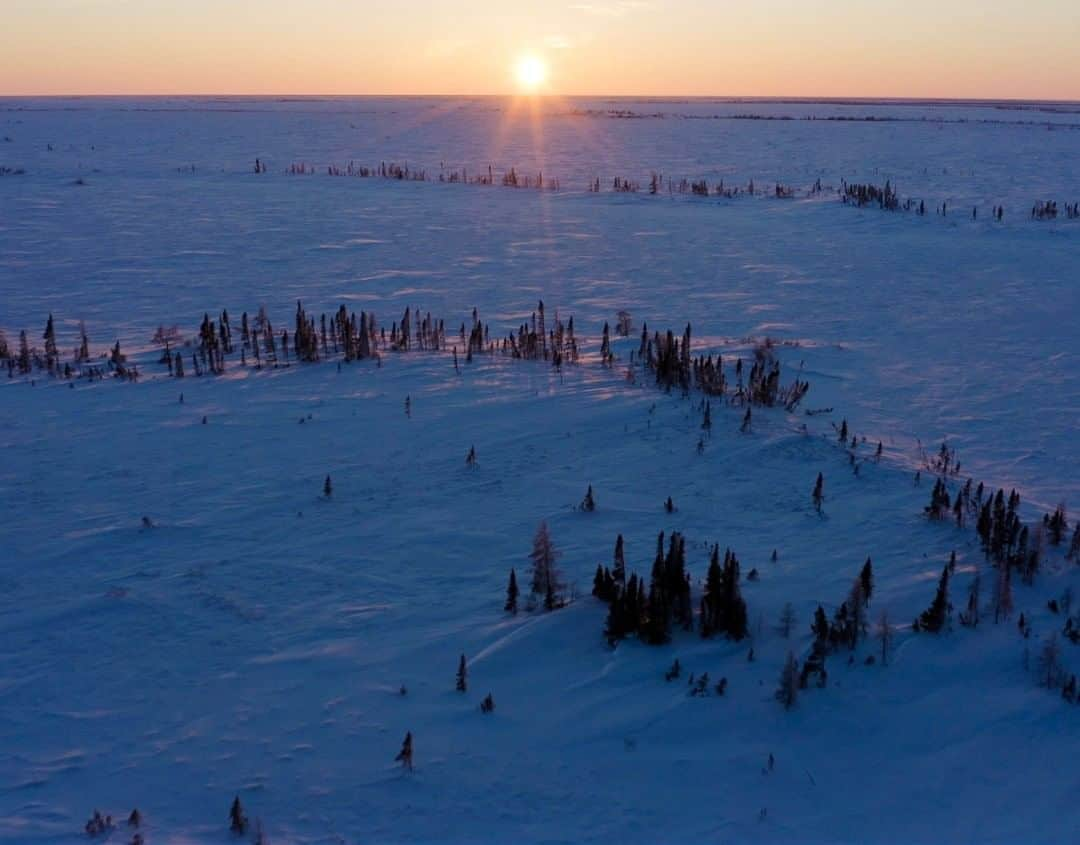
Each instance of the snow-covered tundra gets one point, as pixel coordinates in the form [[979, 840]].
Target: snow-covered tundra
[[254, 583]]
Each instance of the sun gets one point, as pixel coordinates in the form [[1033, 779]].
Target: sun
[[531, 72]]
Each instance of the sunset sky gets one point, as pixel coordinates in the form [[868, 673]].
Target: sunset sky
[[902, 48]]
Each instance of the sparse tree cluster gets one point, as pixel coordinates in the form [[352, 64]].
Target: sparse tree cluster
[[652, 614]]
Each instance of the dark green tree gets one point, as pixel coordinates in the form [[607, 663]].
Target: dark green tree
[[512, 593]]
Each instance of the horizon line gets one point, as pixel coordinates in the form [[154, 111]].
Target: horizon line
[[823, 98]]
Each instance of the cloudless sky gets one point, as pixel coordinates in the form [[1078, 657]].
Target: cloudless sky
[[879, 48]]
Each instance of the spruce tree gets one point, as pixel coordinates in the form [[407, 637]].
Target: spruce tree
[[733, 616], [819, 492], [512, 593], [238, 822], [24, 353], [933, 619], [656, 631], [618, 568], [462, 675], [820, 626], [1074, 546], [856, 606], [616, 627], [328, 488], [598, 582], [84, 344], [51, 355], [1057, 523], [710, 602], [405, 756], [867, 578]]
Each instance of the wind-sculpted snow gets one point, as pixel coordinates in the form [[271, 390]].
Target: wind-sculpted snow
[[253, 639]]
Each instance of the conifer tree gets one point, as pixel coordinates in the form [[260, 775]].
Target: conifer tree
[[1056, 524], [710, 602], [1074, 546], [734, 622], [84, 344], [588, 504], [656, 629], [820, 626], [51, 356], [723, 605], [617, 625], [405, 756], [512, 593], [462, 675], [238, 822], [24, 353], [618, 568], [867, 578], [933, 619], [819, 492], [328, 488], [788, 690]]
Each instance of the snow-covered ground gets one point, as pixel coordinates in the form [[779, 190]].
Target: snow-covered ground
[[254, 640]]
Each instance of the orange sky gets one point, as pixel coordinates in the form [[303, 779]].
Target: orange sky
[[916, 48]]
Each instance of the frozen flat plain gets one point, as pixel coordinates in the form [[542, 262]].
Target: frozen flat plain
[[254, 641]]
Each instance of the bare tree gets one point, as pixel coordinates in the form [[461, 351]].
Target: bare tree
[[546, 583], [970, 616], [1049, 663], [788, 690], [787, 620], [885, 636], [1003, 601]]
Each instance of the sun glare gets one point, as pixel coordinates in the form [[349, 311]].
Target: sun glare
[[530, 72]]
